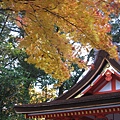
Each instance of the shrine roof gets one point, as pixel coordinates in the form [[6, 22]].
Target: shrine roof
[[86, 102], [68, 102]]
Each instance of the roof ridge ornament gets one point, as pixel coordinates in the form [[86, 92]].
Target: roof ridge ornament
[[108, 75]]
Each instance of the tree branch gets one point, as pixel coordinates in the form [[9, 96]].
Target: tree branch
[[4, 24]]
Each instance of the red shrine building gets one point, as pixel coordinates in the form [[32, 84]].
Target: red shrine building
[[95, 97]]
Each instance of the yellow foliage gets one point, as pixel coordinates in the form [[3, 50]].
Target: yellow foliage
[[41, 95], [49, 49]]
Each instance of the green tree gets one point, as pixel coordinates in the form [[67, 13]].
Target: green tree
[[115, 27], [17, 77], [15, 81]]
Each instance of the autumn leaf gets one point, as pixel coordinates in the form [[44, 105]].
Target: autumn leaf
[[86, 21]]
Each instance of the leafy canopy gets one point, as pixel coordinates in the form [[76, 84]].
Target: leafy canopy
[[17, 77], [50, 25]]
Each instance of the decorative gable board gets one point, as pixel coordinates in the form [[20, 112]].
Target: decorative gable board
[[106, 82]]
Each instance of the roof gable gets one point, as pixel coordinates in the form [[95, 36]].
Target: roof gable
[[101, 61], [106, 82]]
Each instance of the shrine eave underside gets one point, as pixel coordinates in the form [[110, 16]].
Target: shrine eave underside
[[83, 103]]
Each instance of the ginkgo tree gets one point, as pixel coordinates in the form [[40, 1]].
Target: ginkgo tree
[[53, 26]]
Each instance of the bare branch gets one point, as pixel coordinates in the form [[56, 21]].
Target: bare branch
[[4, 24]]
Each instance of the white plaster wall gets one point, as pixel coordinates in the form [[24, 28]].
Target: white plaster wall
[[117, 85], [107, 87], [115, 116]]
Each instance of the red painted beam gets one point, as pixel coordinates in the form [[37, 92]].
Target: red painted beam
[[76, 114]]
